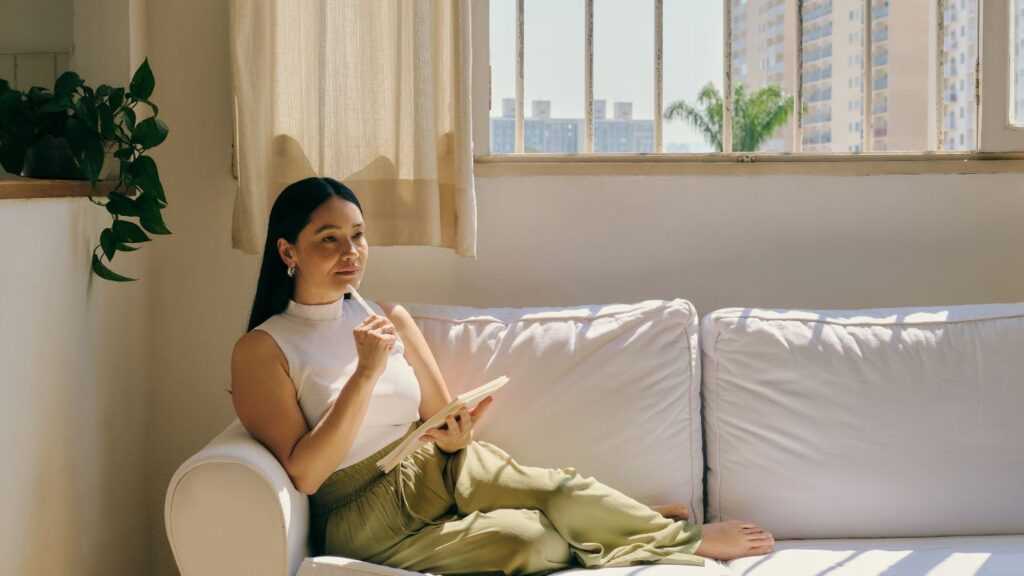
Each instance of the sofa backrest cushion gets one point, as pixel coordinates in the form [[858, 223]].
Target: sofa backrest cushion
[[893, 422], [610, 390]]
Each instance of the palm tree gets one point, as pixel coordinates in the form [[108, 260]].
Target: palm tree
[[755, 117]]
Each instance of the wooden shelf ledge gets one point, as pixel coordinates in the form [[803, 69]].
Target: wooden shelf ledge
[[12, 186]]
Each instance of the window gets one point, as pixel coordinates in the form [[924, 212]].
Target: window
[[672, 76]]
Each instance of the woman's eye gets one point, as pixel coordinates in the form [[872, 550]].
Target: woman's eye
[[332, 238]]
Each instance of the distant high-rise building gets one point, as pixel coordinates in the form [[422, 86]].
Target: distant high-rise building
[[542, 133], [623, 110], [904, 70], [959, 74], [541, 109], [508, 107]]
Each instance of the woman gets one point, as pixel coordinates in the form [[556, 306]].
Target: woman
[[330, 389]]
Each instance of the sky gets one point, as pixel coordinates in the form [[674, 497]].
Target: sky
[[623, 55]]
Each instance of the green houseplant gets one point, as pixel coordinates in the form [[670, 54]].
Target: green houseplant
[[70, 132]]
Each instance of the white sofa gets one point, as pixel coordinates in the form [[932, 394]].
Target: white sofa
[[869, 442]]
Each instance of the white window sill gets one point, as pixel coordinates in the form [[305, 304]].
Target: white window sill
[[744, 164]]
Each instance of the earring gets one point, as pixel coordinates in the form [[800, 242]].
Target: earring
[[291, 271]]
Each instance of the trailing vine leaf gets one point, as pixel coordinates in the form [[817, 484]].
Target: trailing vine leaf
[[142, 83], [86, 110], [106, 273], [122, 205], [129, 232], [116, 98], [150, 132], [67, 83], [144, 175], [129, 118], [149, 216], [109, 243], [106, 121]]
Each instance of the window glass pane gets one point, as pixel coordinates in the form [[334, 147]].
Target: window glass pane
[[763, 69], [960, 57], [554, 70], [503, 71], [691, 60], [623, 75]]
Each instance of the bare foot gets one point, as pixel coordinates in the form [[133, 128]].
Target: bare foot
[[677, 511], [734, 539]]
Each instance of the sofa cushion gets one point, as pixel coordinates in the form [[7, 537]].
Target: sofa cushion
[[611, 390], [955, 555], [893, 422]]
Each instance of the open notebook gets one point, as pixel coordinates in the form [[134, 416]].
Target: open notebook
[[411, 442]]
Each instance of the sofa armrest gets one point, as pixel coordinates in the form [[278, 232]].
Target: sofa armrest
[[232, 509]]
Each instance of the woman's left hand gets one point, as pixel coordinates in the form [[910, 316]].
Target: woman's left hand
[[459, 432]]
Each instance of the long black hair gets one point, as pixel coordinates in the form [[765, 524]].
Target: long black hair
[[289, 215]]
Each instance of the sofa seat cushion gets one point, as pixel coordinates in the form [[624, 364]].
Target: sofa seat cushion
[[942, 556]]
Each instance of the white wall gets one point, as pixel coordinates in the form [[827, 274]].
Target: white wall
[[199, 301], [76, 352], [35, 41], [36, 26], [75, 356]]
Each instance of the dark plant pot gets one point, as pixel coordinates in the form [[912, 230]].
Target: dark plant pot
[[51, 158]]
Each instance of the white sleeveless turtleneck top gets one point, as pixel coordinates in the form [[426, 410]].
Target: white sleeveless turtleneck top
[[321, 351]]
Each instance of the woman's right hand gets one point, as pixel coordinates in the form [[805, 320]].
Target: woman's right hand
[[375, 337]]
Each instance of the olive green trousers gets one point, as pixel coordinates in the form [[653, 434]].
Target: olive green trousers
[[479, 511]]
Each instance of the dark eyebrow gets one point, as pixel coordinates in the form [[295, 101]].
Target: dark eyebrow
[[328, 226]]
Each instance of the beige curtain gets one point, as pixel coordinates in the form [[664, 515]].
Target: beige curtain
[[375, 93]]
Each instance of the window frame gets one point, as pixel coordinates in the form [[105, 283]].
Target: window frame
[[996, 131], [1000, 145]]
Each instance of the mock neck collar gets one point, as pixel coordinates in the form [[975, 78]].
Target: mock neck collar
[[329, 311]]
